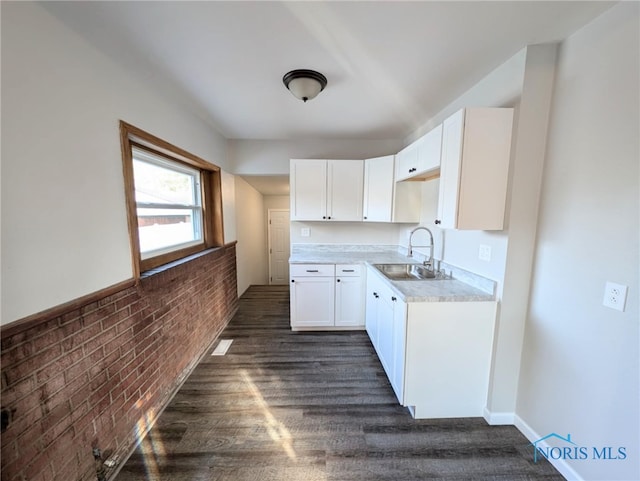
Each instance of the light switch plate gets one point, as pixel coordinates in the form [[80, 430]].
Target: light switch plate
[[615, 296], [304, 232], [484, 253]]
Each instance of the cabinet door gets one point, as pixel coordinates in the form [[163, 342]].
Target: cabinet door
[[407, 162], [476, 148], [308, 189], [371, 308], [378, 189], [312, 301], [344, 193], [349, 301], [399, 348], [452, 130], [385, 333], [429, 152], [484, 172]]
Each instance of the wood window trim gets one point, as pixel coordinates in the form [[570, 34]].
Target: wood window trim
[[131, 136]]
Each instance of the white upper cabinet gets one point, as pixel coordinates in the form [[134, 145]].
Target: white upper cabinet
[[407, 161], [384, 199], [308, 179], [345, 181], [421, 159], [378, 189], [476, 147], [326, 189]]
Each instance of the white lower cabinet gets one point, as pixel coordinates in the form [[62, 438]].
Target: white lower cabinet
[[349, 305], [326, 296], [437, 355], [312, 295], [385, 323]]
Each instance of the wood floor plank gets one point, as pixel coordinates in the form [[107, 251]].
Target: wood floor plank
[[306, 406]]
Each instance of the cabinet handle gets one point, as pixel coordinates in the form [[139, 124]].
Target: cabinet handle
[[312, 270], [437, 222], [393, 298], [348, 270], [375, 294]]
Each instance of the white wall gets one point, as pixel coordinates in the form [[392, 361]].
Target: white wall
[[275, 202], [64, 226], [523, 82], [252, 240], [580, 364], [228, 182], [369, 233]]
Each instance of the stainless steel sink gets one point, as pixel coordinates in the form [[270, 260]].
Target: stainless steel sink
[[405, 272]]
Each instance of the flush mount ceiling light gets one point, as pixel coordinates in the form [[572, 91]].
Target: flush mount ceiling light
[[304, 84]]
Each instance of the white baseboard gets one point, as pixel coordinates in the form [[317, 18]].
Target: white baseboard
[[498, 419], [560, 464]]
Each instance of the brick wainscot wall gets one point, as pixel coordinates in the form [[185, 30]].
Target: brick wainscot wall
[[96, 374]]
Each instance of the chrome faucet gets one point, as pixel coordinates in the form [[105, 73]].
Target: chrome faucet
[[411, 246]]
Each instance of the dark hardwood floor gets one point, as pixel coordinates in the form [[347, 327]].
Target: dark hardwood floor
[[285, 406]]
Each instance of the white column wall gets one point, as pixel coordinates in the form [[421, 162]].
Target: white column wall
[[251, 249], [580, 364]]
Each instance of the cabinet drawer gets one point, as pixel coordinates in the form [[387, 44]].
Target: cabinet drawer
[[348, 270], [311, 270]]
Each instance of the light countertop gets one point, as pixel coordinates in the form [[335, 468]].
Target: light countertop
[[463, 287]]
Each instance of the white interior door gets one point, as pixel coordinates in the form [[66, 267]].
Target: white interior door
[[278, 246]]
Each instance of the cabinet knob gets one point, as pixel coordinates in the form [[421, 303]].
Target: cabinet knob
[[365, 217], [329, 217], [375, 294], [292, 280], [324, 216], [437, 222], [393, 298], [337, 280]]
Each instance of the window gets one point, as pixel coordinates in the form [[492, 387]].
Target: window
[[168, 204], [173, 200]]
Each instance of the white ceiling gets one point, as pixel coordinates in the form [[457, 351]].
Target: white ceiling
[[390, 65]]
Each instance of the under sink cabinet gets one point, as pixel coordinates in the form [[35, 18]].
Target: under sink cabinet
[[436, 355], [326, 296]]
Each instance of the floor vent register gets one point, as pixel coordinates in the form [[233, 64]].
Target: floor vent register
[[222, 347]]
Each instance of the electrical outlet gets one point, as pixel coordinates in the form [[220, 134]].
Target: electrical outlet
[[484, 253], [304, 232], [615, 296]]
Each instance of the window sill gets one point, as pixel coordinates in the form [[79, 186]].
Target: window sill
[[179, 262]]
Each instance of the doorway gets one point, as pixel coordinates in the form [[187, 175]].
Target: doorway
[[279, 245]]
